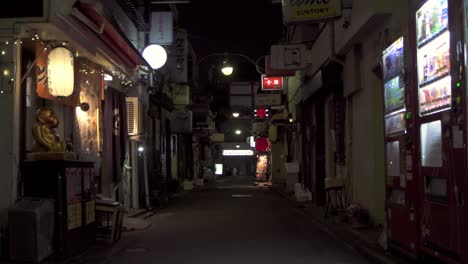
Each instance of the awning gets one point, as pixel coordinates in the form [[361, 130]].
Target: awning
[[111, 35]]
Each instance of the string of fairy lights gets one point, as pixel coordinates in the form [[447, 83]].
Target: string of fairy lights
[[7, 68]]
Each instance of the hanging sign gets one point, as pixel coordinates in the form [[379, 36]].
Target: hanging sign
[[261, 112], [161, 28], [269, 99], [299, 11], [272, 83]]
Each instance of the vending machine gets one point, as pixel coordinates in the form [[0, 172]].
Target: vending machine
[[441, 127], [401, 187]]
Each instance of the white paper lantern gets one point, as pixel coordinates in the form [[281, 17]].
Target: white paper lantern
[[60, 72], [155, 55]]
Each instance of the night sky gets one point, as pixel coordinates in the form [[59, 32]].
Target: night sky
[[249, 27]]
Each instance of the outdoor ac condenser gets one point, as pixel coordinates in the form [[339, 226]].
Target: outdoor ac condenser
[[135, 116], [31, 228]]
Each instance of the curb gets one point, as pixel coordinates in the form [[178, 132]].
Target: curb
[[361, 246]]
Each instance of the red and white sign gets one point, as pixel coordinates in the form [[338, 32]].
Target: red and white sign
[[261, 112], [272, 83]]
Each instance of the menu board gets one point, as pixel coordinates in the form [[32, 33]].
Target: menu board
[[393, 60], [431, 19], [74, 197], [395, 123], [394, 94], [433, 57]]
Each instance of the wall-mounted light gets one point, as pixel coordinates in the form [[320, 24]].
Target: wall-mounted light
[[237, 146], [141, 149], [238, 132], [60, 72], [236, 115]]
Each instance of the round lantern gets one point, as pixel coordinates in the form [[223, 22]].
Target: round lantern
[[155, 55], [60, 72], [262, 144]]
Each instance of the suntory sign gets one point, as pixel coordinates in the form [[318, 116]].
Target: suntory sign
[[296, 11]]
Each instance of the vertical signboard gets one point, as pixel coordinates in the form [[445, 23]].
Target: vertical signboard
[[161, 28]]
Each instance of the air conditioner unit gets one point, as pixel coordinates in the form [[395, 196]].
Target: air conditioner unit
[[136, 112], [31, 228]]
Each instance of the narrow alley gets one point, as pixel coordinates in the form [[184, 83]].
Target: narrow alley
[[234, 131], [232, 221]]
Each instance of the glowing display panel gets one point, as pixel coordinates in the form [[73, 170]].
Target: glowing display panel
[[435, 90]]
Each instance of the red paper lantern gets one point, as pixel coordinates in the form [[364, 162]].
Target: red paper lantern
[[262, 144]]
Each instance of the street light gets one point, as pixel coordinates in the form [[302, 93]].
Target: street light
[[238, 132], [235, 114], [227, 68]]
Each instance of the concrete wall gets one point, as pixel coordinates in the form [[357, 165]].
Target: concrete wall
[[372, 25], [365, 112], [278, 169], [9, 136], [6, 153], [367, 153]]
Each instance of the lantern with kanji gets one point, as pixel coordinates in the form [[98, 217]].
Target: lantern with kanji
[[60, 72]]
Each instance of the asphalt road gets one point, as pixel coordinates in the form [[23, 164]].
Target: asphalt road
[[231, 222]]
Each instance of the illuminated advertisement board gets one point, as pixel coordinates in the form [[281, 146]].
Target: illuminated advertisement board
[[393, 60], [393, 67], [394, 94], [435, 88], [395, 124], [272, 83]]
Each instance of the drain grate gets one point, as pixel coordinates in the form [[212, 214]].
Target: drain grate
[[241, 195], [136, 250]]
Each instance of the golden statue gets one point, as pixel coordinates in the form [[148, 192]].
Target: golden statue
[[44, 133]]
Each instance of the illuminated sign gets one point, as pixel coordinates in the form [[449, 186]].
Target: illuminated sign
[[261, 112], [272, 83], [252, 141], [296, 11], [238, 152], [218, 169]]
